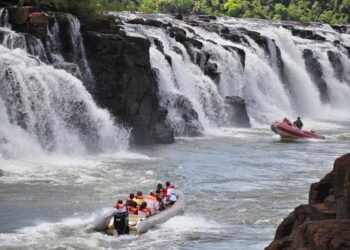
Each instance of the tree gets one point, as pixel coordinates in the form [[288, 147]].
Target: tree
[[149, 6], [236, 8], [281, 11]]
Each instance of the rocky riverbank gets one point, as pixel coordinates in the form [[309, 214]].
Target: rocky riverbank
[[324, 223]]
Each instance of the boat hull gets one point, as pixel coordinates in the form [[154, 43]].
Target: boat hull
[[138, 225], [290, 132]]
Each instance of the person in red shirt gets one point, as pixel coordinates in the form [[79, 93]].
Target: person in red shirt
[[162, 190]]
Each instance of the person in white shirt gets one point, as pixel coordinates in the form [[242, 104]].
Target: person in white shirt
[[171, 193]]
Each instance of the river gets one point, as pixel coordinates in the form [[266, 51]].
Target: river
[[239, 184]]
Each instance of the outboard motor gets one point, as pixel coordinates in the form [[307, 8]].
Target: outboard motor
[[121, 222]]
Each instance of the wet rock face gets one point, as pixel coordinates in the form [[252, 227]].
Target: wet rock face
[[71, 68], [125, 82], [335, 59], [6, 3], [191, 125], [325, 222], [308, 34], [314, 69], [28, 19], [237, 112], [164, 133]]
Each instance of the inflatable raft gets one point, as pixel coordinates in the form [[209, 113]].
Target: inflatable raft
[[290, 132], [137, 224]]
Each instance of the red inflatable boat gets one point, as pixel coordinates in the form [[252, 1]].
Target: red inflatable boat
[[288, 131]]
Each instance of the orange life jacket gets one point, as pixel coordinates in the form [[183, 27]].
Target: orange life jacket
[[150, 197]]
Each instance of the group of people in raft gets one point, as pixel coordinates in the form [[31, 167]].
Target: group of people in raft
[[297, 123], [150, 204]]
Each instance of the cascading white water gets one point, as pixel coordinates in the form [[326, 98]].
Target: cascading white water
[[183, 78], [79, 50], [36, 48], [339, 91], [4, 18], [274, 80], [53, 43], [13, 40], [44, 109]]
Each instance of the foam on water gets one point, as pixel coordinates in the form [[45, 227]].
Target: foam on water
[[77, 233]]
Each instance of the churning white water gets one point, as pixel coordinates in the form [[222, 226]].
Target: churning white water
[[47, 109]]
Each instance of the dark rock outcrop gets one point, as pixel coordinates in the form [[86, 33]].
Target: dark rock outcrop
[[308, 34], [164, 134], [314, 69], [1, 172], [208, 68], [340, 28], [29, 19], [71, 68], [240, 52], [335, 59], [125, 82], [237, 112], [325, 222], [191, 126], [8, 3]]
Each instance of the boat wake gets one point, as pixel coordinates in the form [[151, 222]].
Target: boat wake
[[77, 233]]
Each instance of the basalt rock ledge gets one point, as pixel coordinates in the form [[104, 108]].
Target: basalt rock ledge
[[324, 223]]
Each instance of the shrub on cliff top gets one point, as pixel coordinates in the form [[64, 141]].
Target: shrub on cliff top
[[78, 7]]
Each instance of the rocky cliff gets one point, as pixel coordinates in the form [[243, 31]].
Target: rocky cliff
[[114, 67], [324, 223], [125, 82]]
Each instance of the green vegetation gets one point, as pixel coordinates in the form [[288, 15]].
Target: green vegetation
[[327, 11]]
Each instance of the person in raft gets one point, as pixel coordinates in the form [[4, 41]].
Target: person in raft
[[131, 204], [287, 121], [152, 203], [160, 200], [143, 211], [171, 193], [138, 198], [298, 123], [162, 190], [121, 218]]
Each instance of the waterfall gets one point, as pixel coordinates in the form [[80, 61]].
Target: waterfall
[[184, 86], [262, 63], [53, 43], [78, 49], [4, 18], [13, 40], [49, 110]]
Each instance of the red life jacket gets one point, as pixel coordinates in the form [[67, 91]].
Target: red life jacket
[[164, 192], [132, 209], [117, 206]]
